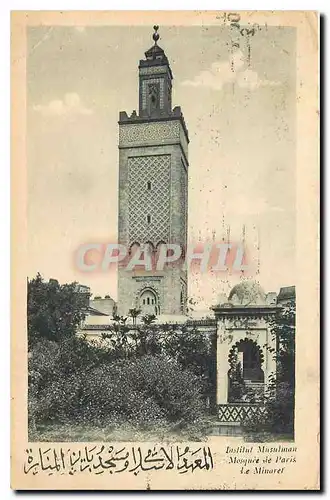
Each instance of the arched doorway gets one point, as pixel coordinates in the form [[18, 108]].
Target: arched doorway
[[245, 375], [148, 303]]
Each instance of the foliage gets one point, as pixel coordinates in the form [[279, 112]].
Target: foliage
[[54, 311], [191, 303], [280, 393], [196, 351], [236, 382], [134, 313], [280, 397], [122, 431], [91, 390], [283, 328], [192, 349], [141, 373], [51, 363]]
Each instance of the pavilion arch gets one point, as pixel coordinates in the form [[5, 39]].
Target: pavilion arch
[[245, 361], [250, 354]]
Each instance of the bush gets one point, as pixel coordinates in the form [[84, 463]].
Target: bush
[[50, 359], [51, 365], [42, 368], [75, 382], [281, 409], [54, 311], [279, 415], [176, 390]]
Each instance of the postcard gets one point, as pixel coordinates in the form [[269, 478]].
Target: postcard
[[165, 250]]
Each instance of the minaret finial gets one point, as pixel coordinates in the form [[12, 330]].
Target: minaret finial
[[155, 36]]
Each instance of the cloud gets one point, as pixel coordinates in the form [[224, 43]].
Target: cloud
[[70, 105], [253, 205], [249, 79], [231, 71]]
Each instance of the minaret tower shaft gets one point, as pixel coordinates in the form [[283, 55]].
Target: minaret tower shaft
[[153, 189]]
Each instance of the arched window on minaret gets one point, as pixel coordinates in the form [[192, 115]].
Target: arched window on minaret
[[153, 97], [148, 303]]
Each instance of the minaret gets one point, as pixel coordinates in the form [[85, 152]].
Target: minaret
[[153, 189]]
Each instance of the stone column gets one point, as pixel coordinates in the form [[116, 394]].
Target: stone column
[[222, 363]]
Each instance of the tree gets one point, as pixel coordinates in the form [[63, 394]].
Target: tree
[[281, 393], [54, 311], [148, 319], [192, 349], [127, 340], [196, 351], [283, 329], [191, 303], [134, 313]]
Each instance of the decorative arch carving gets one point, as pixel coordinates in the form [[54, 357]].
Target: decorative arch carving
[[239, 344], [135, 244], [154, 308], [159, 243], [245, 375]]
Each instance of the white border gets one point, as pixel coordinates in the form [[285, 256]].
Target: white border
[[5, 9]]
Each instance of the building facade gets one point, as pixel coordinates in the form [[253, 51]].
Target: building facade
[[153, 190], [245, 347]]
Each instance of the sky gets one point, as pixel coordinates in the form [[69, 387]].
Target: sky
[[239, 106]]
